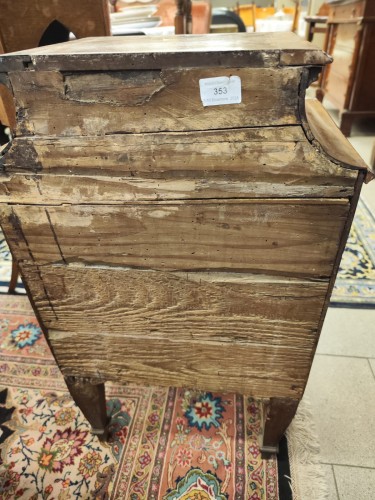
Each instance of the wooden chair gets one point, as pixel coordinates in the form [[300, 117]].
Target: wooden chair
[[183, 21], [318, 23], [223, 16], [187, 17], [26, 24], [247, 13], [296, 16]]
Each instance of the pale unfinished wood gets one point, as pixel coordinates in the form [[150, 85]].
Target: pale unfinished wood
[[57, 189], [287, 237], [246, 163]]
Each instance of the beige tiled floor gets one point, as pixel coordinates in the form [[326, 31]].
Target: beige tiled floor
[[341, 386]]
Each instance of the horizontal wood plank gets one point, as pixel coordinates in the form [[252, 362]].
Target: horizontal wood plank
[[287, 237], [113, 53], [223, 307], [258, 162], [58, 189], [220, 367], [53, 103]]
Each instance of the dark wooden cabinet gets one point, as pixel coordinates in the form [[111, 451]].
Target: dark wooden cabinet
[[348, 81]]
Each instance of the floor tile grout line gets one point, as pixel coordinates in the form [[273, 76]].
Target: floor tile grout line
[[335, 481], [371, 368], [348, 465], [344, 356]]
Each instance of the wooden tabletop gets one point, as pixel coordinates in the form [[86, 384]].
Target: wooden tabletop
[[225, 49]]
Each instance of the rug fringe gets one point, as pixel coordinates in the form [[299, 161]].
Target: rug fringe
[[308, 479]]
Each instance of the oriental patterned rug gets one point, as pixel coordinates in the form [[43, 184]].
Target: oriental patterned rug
[[355, 283], [165, 443]]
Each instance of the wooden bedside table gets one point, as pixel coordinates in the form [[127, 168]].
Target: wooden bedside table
[[169, 242]]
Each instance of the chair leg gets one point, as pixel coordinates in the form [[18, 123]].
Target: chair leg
[[13, 277]]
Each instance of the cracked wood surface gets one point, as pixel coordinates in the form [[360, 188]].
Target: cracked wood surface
[[243, 163], [286, 237]]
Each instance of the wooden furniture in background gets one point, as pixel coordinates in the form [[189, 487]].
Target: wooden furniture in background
[[349, 82], [162, 241], [372, 160], [297, 13], [313, 22], [247, 13], [24, 23], [7, 109], [227, 18], [312, 26], [183, 21], [200, 16]]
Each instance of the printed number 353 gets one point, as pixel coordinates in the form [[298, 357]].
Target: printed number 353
[[220, 90]]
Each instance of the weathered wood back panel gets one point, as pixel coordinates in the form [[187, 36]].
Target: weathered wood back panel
[[159, 237], [101, 103]]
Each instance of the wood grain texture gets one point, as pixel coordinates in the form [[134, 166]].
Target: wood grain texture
[[255, 50], [246, 163], [259, 370], [228, 331], [287, 237], [100, 103], [203, 306], [57, 189]]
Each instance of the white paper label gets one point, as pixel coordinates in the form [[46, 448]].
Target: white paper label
[[220, 90]]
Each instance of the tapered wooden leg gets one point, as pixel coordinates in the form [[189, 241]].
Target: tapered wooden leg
[[89, 395], [278, 414], [13, 277]]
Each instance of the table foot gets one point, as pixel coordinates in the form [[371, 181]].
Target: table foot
[[89, 395], [278, 414]]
